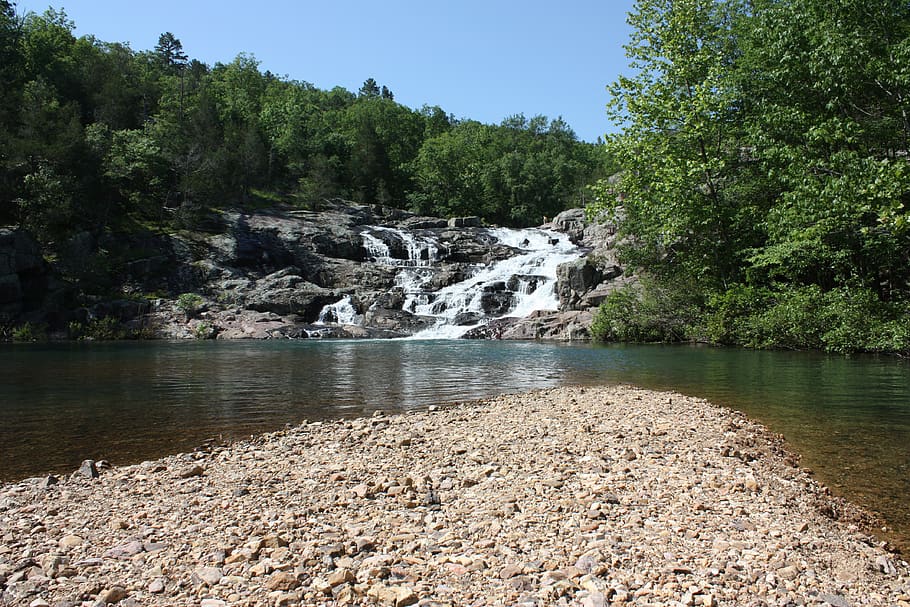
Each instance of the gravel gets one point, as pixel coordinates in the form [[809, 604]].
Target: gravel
[[568, 496]]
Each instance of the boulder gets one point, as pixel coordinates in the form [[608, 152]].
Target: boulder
[[465, 222], [571, 222], [286, 292], [574, 279]]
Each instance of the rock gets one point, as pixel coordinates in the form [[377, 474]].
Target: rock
[[341, 576], [112, 595], [510, 571], [49, 481], [212, 603], [283, 580], [157, 586], [208, 575], [88, 469], [191, 471], [835, 600], [574, 280], [885, 565], [55, 565], [398, 596], [125, 551], [465, 222], [69, 541]]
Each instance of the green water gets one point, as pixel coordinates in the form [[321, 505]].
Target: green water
[[125, 402]]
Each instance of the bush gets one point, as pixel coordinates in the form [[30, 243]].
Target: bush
[[29, 332], [649, 311], [803, 318], [190, 304]]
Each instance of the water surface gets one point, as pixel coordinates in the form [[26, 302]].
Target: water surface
[[125, 402]]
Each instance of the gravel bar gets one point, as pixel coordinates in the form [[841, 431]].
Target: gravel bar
[[565, 496]]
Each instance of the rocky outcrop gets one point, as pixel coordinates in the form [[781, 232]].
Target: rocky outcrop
[[273, 273], [24, 274]]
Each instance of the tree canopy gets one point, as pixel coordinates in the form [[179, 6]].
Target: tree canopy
[[766, 173], [96, 135]]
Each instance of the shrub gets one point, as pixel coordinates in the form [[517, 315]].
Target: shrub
[[30, 332], [190, 304], [650, 311]]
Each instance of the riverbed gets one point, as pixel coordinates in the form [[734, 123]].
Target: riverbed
[[849, 418], [565, 496]]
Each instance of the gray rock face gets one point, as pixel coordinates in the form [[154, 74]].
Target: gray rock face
[[272, 274], [23, 273]]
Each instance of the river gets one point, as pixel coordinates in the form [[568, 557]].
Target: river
[[125, 402]]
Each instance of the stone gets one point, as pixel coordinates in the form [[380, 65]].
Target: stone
[[834, 600], [88, 469], [208, 575], [341, 576], [112, 595], [157, 586], [510, 571], [55, 565], [125, 551], [191, 471], [282, 580], [69, 541]]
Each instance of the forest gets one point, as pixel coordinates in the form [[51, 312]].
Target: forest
[[97, 136], [765, 184]]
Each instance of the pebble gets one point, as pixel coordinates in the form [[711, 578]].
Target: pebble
[[560, 497]]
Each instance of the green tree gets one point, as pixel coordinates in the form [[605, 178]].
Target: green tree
[[170, 51], [369, 89], [680, 147]]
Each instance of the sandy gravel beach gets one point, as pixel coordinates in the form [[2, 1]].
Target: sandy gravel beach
[[570, 496]]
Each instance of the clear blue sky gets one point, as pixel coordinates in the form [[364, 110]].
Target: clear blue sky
[[479, 59]]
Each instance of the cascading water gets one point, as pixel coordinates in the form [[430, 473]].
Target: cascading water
[[422, 251], [341, 312], [513, 287]]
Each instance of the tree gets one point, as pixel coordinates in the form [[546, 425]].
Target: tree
[[369, 89], [764, 160], [680, 147], [170, 50]]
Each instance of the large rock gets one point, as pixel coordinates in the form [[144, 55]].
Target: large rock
[[465, 222], [286, 292], [23, 273], [571, 222], [574, 279]]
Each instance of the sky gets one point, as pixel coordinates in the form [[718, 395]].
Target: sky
[[480, 59]]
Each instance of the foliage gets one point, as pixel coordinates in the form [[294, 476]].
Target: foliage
[[98, 141], [204, 330], [30, 332], [648, 311], [98, 329], [764, 151], [189, 303]]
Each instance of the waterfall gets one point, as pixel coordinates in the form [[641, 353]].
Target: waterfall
[[421, 250], [341, 312], [513, 287]]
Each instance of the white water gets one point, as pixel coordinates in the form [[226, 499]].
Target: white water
[[342, 312], [542, 252], [423, 251]]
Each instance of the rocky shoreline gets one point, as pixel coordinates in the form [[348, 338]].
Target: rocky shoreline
[[568, 496]]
